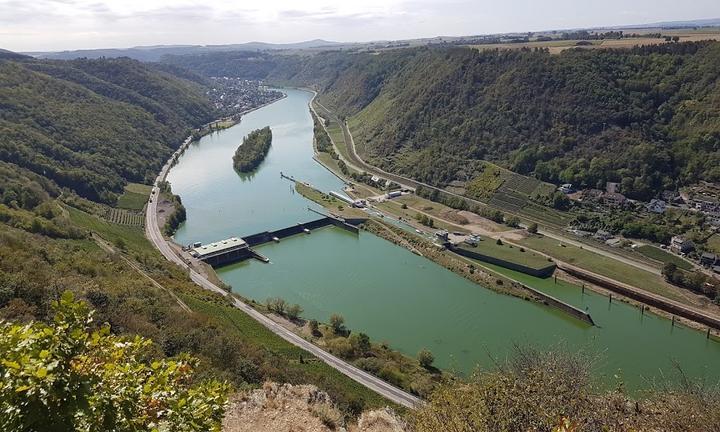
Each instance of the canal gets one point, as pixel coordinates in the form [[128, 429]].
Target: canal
[[388, 292]]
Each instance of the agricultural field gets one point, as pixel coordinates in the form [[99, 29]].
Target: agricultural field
[[658, 254], [484, 186], [546, 215], [124, 217], [558, 46], [134, 197]]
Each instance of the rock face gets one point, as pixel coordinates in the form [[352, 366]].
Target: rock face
[[299, 408], [382, 420]]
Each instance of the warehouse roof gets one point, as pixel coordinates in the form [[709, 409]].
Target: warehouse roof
[[220, 246]]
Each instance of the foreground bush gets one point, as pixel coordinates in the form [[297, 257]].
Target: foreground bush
[[68, 377], [537, 391]]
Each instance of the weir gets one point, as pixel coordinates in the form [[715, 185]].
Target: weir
[[218, 254]]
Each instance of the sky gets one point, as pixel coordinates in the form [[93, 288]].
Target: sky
[[52, 25]]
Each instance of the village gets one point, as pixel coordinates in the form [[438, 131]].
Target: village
[[667, 218]]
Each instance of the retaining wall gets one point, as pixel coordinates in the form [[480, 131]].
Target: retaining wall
[[651, 300], [542, 272]]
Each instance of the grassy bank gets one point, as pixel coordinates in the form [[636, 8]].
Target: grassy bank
[[658, 254], [134, 197], [506, 252], [604, 266]]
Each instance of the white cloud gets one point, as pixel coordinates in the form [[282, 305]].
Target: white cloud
[[70, 24]]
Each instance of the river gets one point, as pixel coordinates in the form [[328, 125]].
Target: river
[[388, 292]]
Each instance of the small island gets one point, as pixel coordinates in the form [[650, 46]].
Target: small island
[[253, 150]]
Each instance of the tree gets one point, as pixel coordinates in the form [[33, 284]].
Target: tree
[[499, 242], [277, 305], [294, 311], [512, 221], [68, 376], [360, 343], [337, 322], [314, 327], [532, 228], [426, 358], [669, 270], [560, 201]]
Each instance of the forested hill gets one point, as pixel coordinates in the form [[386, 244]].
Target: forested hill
[[93, 125], [646, 117]]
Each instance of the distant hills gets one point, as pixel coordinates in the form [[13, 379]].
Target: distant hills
[[155, 53]]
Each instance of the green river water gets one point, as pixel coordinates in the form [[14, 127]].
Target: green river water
[[388, 292]]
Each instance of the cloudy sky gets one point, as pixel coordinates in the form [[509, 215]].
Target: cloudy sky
[[47, 25]]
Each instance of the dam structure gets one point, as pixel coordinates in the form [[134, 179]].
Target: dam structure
[[236, 249]]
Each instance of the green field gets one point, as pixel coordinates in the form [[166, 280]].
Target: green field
[[658, 254], [602, 265], [132, 237], [505, 252], [134, 197]]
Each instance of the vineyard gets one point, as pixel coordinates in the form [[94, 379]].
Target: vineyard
[[124, 217]]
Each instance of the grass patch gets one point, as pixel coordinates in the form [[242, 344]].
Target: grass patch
[[713, 243], [505, 252], [134, 197], [331, 203], [602, 265], [133, 238], [663, 256]]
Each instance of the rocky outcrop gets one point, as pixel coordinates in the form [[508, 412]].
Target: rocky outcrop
[[300, 408]]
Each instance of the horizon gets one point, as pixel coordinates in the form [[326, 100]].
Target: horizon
[[69, 25]]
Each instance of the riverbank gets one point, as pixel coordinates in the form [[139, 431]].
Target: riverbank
[[669, 307], [415, 302]]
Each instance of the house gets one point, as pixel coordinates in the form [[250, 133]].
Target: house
[[708, 259], [614, 242], [611, 187], [566, 188], [603, 235], [679, 244], [614, 199], [656, 206]]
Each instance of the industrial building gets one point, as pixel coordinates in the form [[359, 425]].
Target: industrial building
[[222, 252]]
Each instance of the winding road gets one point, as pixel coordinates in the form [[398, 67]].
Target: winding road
[[153, 233]]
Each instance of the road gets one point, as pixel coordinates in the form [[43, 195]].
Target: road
[[153, 233]]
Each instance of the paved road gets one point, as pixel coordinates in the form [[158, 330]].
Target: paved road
[[152, 231]]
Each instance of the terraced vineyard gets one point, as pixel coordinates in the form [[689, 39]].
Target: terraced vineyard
[[124, 217], [522, 184], [505, 199]]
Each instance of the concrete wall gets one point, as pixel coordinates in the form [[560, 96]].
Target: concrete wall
[[543, 272], [559, 304], [659, 303]]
